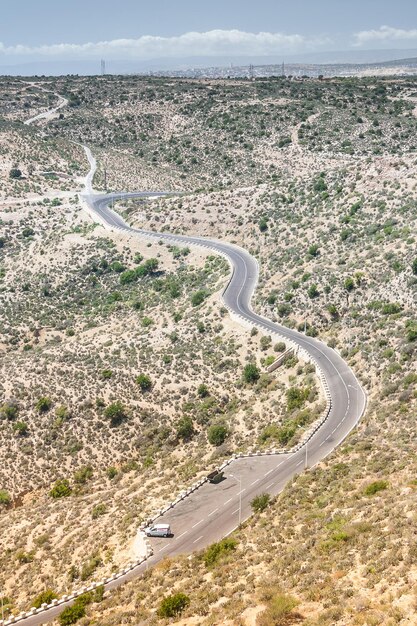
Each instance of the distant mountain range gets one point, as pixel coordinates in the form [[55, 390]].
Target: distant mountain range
[[403, 57]]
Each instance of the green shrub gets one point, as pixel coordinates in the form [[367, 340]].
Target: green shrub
[[5, 498], [313, 250], [411, 328], [218, 550], [144, 381], [116, 413], [414, 266], [349, 283], [83, 474], [45, 597], [61, 489], [313, 291], [375, 487], [269, 432], [251, 373], [9, 411], [98, 510], [185, 428], [296, 397], [43, 404], [25, 557], [391, 308], [260, 503], [279, 611], [72, 614], [21, 428], [111, 472], [217, 433], [173, 605], [90, 566], [280, 347], [198, 297], [203, 390], [15, 173], [263, 224], [62, 412]]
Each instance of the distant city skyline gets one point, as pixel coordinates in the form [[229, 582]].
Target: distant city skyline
[[137, 31]]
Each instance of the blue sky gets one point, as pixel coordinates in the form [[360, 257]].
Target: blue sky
[[135, 29]]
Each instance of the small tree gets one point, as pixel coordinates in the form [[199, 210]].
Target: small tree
[[61, 489], [217, 434], [414, 266], [173, 605], [144, 381], [251, 373]]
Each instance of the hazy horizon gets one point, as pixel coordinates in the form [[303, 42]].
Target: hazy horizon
[[137, 34]]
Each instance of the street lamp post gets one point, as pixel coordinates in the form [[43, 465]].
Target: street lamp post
[[239, 478]]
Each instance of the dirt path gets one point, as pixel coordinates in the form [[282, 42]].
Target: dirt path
[[295, 141]]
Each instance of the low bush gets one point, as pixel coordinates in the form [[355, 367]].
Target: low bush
[[217, 434], [61, 489], [45, 597], [375, 487], [218, 550], [173, 605], [260, 503]]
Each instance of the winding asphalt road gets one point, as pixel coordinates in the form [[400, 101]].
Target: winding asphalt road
[[214, 511]]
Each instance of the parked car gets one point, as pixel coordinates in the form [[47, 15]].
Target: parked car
[[158, 530]]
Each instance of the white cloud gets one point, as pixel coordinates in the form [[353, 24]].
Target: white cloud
[[211, 43], [385, 34]]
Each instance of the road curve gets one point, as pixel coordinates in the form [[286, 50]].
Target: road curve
[[214, 511]]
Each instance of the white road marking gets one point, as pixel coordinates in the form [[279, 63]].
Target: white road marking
[[182, 535], [271, 470], [229, 500], [213, 512], [200, 522], [270, 485], [241, 492], [300, 463], [255, 481], [164, 548], [233, 512], [198, 539]]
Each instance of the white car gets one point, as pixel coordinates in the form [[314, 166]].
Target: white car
[[158, 530]]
